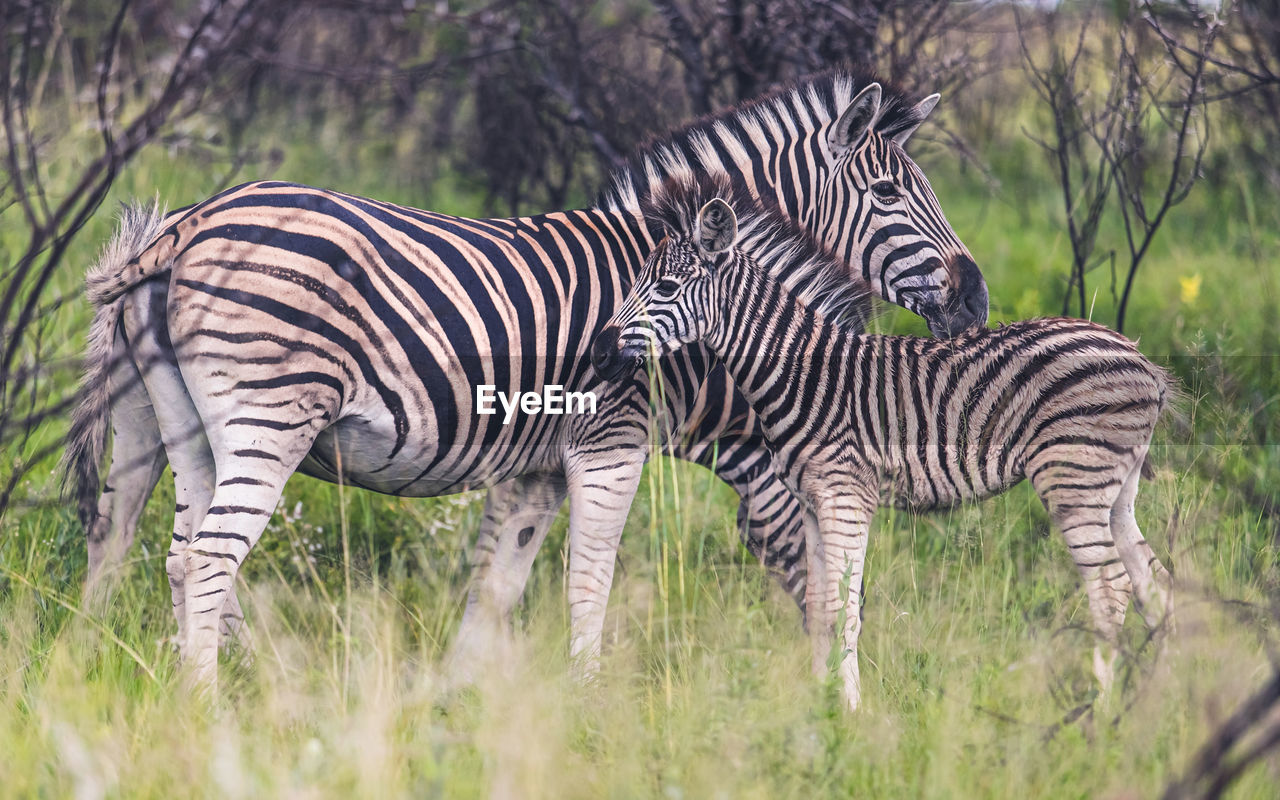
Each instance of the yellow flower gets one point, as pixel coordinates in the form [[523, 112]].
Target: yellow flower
[[1190, 288]]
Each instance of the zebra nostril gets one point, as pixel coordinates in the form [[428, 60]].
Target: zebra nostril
[[976, 303], [972, 289]]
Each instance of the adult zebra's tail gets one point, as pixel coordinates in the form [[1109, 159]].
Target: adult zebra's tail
[[116, 271]]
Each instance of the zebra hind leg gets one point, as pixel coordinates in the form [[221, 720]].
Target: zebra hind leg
[[250, 481], [193, 474], [1079, 503], [255, 457], [517, 515], [137, 460], [1151, 581], [169, 407]]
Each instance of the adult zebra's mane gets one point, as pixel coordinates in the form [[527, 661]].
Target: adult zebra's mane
[[780, 247], [700, 146]]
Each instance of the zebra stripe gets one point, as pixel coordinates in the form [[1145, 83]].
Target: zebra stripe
[[301, 329], [855, 421]]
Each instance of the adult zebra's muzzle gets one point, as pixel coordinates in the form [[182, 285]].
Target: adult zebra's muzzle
[[967, 306], [610, 359]]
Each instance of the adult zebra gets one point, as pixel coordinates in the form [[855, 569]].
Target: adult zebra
[[275, 327], [856, 421]]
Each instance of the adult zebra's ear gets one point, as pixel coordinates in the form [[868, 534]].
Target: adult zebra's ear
[[920, 114], [856, 120], [717, 227]]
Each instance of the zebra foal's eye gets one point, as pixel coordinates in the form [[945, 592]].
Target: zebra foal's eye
[[885, 190], [666, 287]]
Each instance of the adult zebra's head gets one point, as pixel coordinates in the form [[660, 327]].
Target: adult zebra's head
[[672, 302], [881, 217]]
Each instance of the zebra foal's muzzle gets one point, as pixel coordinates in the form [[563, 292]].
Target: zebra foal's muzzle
[[610, 358]]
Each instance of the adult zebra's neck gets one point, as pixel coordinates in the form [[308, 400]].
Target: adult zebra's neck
[[774, 144]]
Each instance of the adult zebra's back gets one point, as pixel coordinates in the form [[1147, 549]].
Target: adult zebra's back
[[276, 327]]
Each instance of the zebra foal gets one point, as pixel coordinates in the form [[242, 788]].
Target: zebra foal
[[855, 421]]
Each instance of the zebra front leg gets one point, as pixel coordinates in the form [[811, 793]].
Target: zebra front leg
[[843, 521], [820, 632], [517, 515], [600, 496]]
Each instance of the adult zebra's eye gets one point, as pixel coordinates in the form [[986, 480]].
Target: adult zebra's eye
[[666, 287], [885, 190]]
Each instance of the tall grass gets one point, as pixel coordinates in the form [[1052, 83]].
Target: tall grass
[[974, 660], [975, 652]]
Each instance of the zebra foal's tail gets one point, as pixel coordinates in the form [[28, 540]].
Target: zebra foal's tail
[[115, 272]]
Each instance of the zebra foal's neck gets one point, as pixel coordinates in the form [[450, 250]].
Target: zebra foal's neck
[[770, 341]]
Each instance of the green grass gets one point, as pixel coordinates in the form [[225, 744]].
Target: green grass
[[975, 652]]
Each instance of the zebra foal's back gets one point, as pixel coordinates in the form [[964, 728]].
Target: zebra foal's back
[[964, 418]]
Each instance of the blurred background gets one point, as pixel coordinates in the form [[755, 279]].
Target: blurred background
[[1114, 160]]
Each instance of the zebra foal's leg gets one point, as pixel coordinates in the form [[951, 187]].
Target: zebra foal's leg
[[517, 515], [601, 488], [843, 521], [1079, 489], [1151, 581]]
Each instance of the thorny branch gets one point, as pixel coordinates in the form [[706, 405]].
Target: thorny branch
[[222, 29], [1137, 141]]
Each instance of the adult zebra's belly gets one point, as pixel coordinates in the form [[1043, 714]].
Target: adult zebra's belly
[[358, 449]]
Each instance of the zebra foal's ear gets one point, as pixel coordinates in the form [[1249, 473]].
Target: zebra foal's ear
[[856, 120], [921, 113], [717, 227]]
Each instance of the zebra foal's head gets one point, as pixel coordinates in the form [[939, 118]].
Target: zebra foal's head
[[882, 218], [672, 301]]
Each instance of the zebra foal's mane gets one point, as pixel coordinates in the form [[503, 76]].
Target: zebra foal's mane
[[778, 246], [689, 150]]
